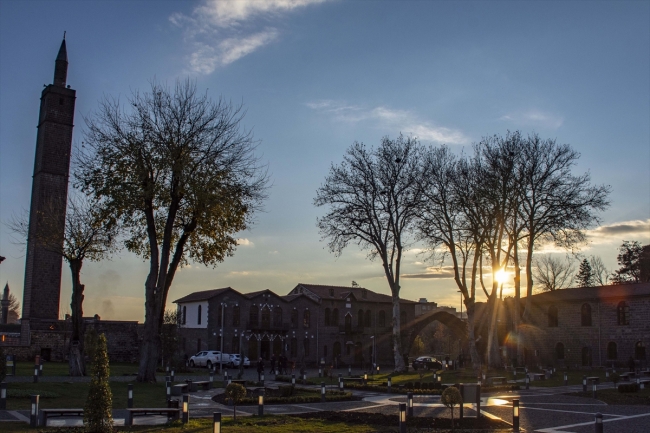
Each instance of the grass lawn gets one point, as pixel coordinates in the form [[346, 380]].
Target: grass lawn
[[267, 424], [73, 395], [612, 396], [117, 369]]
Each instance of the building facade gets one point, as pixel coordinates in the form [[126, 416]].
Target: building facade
[[589, 326], [317, 323]]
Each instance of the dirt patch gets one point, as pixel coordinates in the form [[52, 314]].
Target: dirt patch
[[357, 417]]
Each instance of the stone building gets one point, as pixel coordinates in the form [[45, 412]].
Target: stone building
[[320, 323], [589, 326]]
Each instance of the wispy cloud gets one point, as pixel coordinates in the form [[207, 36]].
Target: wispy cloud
[[534, 117], [620, 231], [405, 121], [433, 272], [219, 32]]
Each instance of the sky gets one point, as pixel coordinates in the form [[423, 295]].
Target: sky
[[317, 75]]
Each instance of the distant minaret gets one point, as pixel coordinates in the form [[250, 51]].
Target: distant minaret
[[5, 305], [49, 195]]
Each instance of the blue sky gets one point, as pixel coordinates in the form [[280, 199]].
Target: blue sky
[[316, 76]]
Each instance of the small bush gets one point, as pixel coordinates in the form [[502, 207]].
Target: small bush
[[98, 416], [628, 387]]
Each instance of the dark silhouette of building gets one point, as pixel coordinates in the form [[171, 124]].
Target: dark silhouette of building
[[49, 196]]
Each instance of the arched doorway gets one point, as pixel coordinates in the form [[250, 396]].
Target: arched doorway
[[586, 356], [253, 353], [265, 349], [277, 345], [358, 354]]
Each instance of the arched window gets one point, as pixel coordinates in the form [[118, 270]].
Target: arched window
[[327, 317], [198, 317], [306, 319], [348, 322], [623, 313], [559, 351], [184, 318], [254, 315], [360, 319], [402, 318], [294, 347], [335, 317], [585, 315], [325, 351], [277, 316], [552, 316], [336, 350], [306, 347], [612, 351], [294, 318], [639, 351], [381, 319], [235, 316], [266, 317], [367, 318]]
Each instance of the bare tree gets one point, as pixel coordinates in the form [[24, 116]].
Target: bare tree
[[90, 233], [556, 205], [599, 271], [374, 197], [182, 178], [552, 273]]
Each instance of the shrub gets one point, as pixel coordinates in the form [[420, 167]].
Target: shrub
[[236, 393], [98, 416], [451, 397], [286, 391], [628, 387], [614, 377]]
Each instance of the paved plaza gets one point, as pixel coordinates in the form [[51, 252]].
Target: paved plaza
[[542, 409]]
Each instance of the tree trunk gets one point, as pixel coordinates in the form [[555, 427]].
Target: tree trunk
[[493, 356], [397, 339], [76, 361], [517, 305], [151, 344], [473, 353]]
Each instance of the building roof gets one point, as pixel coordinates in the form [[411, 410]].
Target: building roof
[[341, 292], [203, 295], [599, 292]]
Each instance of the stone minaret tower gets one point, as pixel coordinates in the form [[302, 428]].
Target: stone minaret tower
[[5, 305], [49, 197]]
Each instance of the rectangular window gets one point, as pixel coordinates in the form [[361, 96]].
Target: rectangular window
[[235, 344]]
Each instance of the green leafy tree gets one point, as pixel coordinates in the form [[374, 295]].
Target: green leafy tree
[[634, 262], [418, 346], [236, 393], [451, 397], [89, 233], [585, 276], [98, 416], [181, 177]]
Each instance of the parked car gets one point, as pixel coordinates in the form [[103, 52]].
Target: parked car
[[208, 358], [427, 362], [235, 360]]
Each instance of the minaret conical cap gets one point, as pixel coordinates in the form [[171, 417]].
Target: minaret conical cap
[[63, 52]]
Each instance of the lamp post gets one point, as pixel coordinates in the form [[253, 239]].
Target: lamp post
[[33, 418], [515, 415], [186, 408], [402, 418], [260, 402], [599, 423], [216, 422]]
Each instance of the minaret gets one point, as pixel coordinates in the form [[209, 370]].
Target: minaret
[[5, 305], [49, 197]]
